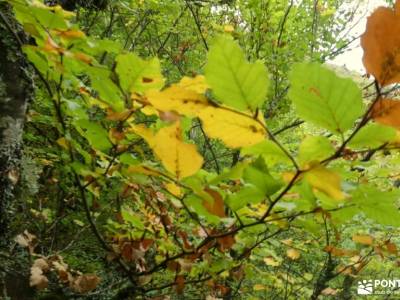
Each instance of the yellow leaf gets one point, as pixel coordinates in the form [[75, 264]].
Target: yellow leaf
[[325, 181], [63, 142], [175, 98], [287, 242], [143, 170], [363, 239], [293, 254], [149, 110], [146, 133], [173, 189], [177, 157], [197, 84], [233, 129], [229, 28]]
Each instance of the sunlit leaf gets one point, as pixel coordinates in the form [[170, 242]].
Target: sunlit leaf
[[233, 129]]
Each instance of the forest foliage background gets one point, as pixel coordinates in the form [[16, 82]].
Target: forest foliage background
[[196, 149]]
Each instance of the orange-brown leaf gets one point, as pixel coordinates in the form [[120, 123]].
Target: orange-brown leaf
[[381, 44], [225, 243], [340, 252], [85, 283], [387, 112], [217, 207], [363, 239]]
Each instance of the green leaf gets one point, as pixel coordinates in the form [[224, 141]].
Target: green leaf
[[314, 148], [108, 91], [269, 151], [48, 18], [372, 136], [233, 173], [258, 185], [95, 134], [234, 81], [258, 175], [130, 218], [138, 75], [248, 194], [37, 58], [195, 204], [323, 98], [380, 206]]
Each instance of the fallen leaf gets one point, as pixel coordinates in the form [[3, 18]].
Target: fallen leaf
[[259, 287], [41, 264], [85, 283], [270, 261], [37, 279], [293, 254], [180, 284], [363, 239], [329, 291]]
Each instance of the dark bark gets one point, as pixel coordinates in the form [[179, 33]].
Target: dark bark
[[15, 92]]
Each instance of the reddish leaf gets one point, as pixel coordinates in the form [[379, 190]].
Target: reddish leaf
[[391, 247], [180, 284], [225, 243]]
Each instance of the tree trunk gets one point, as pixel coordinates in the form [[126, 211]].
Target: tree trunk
[[15, 91]]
